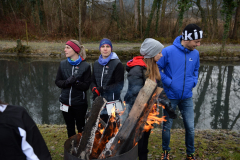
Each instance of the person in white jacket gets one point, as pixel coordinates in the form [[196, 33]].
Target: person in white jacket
[[20, 138]]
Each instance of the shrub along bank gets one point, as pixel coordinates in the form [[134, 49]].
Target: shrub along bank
[[125, 51]]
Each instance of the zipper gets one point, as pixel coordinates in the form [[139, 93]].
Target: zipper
[[83, 95], [184, 74], [70, 93], [102, 75]]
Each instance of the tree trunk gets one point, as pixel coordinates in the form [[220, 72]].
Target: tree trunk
[[83, 11], [41, 13], [121, 8], [203, 16], [60, 16], [1, 8], [183, 6], [235, 33], [157, 18], [214, 17], [154, 6], [136, 18], [80, 21], [142, 18], [164, 3], [142, 8], [228, 7]]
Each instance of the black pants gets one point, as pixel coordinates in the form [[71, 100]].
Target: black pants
[[75, 116], [143, 146]]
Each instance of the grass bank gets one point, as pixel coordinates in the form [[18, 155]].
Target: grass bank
[[124, 50], [209, 144]]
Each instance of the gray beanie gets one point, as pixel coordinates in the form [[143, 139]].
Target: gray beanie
[[150, 48]]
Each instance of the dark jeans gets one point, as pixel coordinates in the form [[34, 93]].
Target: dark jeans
[[143, 146], [186, 108], [75, 116]]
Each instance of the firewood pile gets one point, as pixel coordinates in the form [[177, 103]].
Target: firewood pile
[[101, 140]]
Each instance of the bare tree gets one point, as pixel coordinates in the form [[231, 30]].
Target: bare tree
[[136, 18], [80, 20], [214, 17], [203, 15], [235, 33], [164, 3], [121, 8]]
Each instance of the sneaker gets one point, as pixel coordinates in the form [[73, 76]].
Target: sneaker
[[191, 157], [165, 155]]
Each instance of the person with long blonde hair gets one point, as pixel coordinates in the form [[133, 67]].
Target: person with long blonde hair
[[74, 78], [139, 69]]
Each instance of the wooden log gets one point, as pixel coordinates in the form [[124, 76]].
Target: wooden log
[[109, 132], [88, 135], [130, 130], [142, 121]]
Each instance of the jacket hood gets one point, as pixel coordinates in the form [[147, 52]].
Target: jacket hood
[[177, 43], [136, 61], [114, 56], [2, 107]]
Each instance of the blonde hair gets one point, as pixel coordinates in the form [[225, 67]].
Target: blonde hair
[[82, 51], [152, 69]]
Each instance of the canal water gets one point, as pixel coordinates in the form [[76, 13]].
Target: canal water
[[31, 84]]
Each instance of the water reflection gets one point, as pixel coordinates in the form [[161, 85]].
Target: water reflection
[[31, 84]]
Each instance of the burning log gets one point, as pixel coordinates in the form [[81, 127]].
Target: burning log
[[110, 132], [86, 143], [131, 130]]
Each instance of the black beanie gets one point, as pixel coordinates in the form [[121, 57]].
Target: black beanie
[[192, 32]]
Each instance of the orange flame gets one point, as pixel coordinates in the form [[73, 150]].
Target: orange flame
[[103, 135], [152, 118]]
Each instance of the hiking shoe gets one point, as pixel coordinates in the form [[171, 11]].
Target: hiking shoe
[[165, 155], [191, 157]]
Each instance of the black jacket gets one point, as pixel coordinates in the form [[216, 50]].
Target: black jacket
[[74, 95], [136, 79], [18, 132], [110, 77]]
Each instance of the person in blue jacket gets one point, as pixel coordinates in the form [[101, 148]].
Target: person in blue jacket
[[179, 74]]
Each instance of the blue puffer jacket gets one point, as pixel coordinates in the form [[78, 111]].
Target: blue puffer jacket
[[179, 70]]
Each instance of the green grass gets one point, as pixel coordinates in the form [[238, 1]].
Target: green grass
[[209, 144]]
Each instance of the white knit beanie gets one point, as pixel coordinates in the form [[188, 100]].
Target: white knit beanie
[[150, 48]]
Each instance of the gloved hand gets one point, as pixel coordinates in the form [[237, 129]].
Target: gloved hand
[[97, 90], [168, 108], [70, 80]]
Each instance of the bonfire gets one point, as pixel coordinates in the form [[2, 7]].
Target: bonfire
[[101, 140]]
